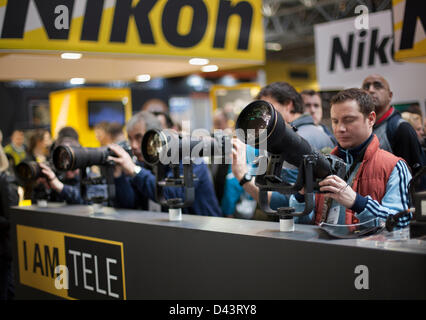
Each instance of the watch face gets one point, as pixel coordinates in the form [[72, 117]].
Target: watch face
[[247, 176], [137, 169]]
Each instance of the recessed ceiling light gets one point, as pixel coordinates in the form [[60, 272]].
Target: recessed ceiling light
[[78, 81], [273, 46], [198, 61], [143, 78], [210, 68], [71, 56]]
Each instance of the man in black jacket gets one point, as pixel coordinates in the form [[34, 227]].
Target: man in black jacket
[[395, 134]]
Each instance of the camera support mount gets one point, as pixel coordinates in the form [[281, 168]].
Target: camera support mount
[[186, 181], [271, 181]]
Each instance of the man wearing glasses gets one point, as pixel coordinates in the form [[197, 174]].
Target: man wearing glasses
[[395, 134]]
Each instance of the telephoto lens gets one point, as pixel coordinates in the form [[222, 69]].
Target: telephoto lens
[[70, 158], [154, 143], [168, 147], [261, 126], [28, 171]]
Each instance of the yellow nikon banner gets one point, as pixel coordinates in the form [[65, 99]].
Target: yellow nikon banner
[[202, 28], [409, 26], [70, 266]]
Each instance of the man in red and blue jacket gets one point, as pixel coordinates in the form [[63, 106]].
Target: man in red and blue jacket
[[376, 181]]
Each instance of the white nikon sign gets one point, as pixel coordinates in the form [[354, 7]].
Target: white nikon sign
[[346, 53]]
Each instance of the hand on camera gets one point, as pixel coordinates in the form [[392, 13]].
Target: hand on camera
[[50, 178], [123, 161], [339, 190], [239, 161]]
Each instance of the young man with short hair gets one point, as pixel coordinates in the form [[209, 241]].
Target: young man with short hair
[[376, 181]]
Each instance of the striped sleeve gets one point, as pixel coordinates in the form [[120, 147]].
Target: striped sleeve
[[396, 198]]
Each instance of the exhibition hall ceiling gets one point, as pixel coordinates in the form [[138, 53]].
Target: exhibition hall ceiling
[[98, 68], [288, 24]]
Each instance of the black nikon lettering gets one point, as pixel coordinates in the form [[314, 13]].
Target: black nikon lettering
[[413, 10], [170, 22], [378, 46], [16, 14], [377, 49], [226, 10], [122, 14], [14, 19], [92, 20], [338, 51], [361, 45]]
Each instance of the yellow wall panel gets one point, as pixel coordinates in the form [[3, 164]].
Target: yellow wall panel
[[69, 108]]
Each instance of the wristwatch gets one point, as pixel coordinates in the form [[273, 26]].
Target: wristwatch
[[136, 170], [246, 178]]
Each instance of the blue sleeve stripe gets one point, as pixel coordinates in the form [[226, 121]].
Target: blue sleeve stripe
[[400, 184], [373, 208], [402, 173]]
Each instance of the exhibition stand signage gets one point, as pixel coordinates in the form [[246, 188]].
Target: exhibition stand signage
[[409, 27], [69, 265], [347, 51], [201, 28]]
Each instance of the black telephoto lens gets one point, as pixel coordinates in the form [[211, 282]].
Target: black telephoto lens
[[279, 138], [153, 143], [259, 116], [28, 171], [70, 158], [168, 147]]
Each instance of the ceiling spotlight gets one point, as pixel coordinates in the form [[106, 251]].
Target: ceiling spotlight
[[143, 78], [198, 61], [210, 68], [309, 3], [273, 46], [78, 81], [270, 8], [71, 56], [195, 81]]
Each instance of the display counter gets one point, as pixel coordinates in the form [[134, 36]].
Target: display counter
[[78, 252]]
